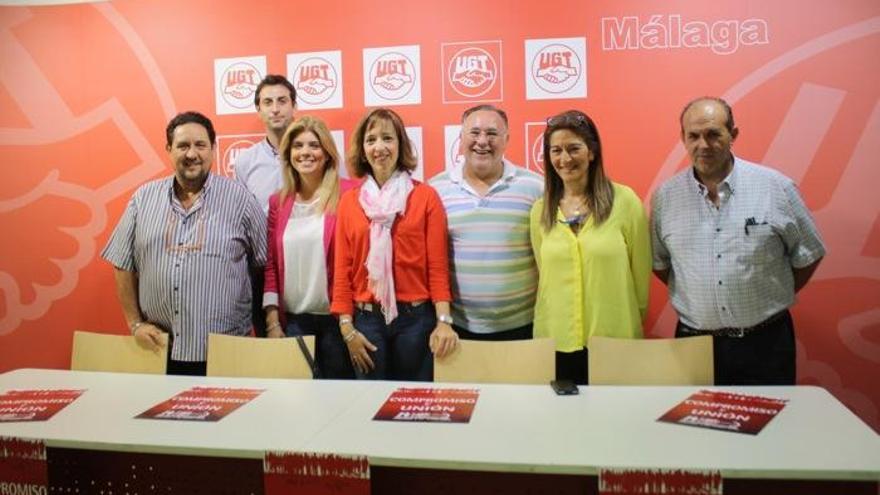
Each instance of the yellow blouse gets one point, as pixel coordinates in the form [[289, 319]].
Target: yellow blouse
[[594, 282]]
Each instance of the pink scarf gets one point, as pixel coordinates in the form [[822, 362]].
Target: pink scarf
[[382, 207]]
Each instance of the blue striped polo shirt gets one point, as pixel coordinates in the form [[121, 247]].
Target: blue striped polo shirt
[[494, 278]]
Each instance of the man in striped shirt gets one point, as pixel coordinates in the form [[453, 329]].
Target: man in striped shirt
[[487, 201], [183, 248]]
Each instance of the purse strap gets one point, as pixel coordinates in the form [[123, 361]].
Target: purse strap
[[308, 355]]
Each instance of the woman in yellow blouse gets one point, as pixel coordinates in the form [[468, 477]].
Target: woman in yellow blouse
[[592, 246]]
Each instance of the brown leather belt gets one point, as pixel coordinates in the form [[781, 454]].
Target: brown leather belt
[[734, 332]]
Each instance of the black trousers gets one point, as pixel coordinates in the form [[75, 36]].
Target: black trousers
[[763, 357], [258, 316], [191, 368], [573, 366]]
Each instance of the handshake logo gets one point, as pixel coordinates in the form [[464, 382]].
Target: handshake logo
[[471, 71], [556, 68], [317, 77], [391, 76]]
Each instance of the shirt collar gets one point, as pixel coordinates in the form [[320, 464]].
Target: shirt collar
[[205, 187], [273, 150], [456, 174], [726, 186]]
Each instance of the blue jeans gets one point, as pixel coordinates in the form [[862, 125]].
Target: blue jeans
[[331, 353], [403, 352]]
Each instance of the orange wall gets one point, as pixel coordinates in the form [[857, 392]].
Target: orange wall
[[86, 90]]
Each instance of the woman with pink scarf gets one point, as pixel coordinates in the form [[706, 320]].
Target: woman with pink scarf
[[391, 276]]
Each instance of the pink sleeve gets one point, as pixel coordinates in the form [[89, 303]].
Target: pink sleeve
[[270, 286]]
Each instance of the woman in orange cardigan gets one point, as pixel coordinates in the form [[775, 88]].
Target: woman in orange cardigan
[[301, 231], [391, 280]]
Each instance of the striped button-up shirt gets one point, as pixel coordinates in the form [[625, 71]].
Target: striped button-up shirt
[[192, 265], [730, 266], [490, 256]]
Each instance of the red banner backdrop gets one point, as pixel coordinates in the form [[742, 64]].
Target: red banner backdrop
[[86, 90]]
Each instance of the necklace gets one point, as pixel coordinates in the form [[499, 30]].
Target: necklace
[[578, 216]]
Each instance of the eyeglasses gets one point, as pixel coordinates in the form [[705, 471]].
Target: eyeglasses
[[492, 135], [568, 119]]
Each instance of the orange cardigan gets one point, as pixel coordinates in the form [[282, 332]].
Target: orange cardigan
[[420, 245]]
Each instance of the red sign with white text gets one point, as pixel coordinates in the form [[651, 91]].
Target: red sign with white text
[[23, 466], [659, 481], [740, 413], [431, 405], [201, 404], [315, 474], [34, 405]]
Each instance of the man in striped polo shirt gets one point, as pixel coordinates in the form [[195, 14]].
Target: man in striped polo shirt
[[487, 201], [183, 248]]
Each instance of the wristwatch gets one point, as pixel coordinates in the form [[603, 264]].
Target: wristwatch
[[445, 319]]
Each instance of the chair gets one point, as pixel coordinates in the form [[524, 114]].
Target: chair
[[118, 353], [515, 361], [258, 358], [685, 361]]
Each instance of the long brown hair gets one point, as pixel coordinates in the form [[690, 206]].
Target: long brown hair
[[328, 191], [599, 191]]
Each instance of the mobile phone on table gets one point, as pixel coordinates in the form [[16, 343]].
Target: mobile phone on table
[[564, 387]]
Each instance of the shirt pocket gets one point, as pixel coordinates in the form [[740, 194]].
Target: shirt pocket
[[220, 241], [760, 242]]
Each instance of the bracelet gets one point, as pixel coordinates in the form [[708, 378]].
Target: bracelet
[[345, 321], [348, 338], [273, 326], [134, 326]]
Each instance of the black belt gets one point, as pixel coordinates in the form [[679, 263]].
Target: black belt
[[376, 308], [734, 332]]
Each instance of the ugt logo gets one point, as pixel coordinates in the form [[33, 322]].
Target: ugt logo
[[316, 80], [535, 146], [392, 76], [472, 72], [556, 68], [239, 84], [229, 148], [235, 83]]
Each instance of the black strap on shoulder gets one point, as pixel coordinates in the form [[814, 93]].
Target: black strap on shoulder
[[308, 355]]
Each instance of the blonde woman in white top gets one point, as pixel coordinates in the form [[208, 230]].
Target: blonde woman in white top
[[301, 227]]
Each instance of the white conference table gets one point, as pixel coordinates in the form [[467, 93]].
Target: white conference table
[[514, 428]]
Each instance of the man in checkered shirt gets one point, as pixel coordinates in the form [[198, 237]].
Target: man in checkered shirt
[[734, 242]]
